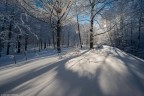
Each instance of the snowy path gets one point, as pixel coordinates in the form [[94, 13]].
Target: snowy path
[[107, 72]]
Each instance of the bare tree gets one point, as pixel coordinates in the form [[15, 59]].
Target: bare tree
[[78, 25], [96, 6], [59, 10]]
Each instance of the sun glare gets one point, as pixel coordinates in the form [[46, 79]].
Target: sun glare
[[105, 25]]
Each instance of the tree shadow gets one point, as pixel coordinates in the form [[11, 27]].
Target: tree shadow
[[78, 85], [88, 87], [105, 82], [134, 65], [117, 84], [4, 88]]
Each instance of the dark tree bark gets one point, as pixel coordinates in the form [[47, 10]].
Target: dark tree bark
[[49, 43], [68, 39], [91, 26], [140, 23], [0, 47], [58, 36], [131, 33], [41, 44], [26, 42], [91, 34], [45, 45], [19, 43], [1, 44], [9, 38]]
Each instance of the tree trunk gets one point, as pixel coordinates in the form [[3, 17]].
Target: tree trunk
[[49, 43], [0, 47], [53, 38], [68, 39], [131, 33], [1, 44], [19, 44], [41, 44], [79, 31], [45, 44], [139, 29], [9, 38], [91, 27], [26, 42], [91, 34], [58, 36]]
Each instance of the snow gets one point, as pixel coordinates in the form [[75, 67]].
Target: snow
[[103, 72], [21, 58]]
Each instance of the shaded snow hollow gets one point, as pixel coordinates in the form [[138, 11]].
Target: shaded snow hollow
[[104, 72]]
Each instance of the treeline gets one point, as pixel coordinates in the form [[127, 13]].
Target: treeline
[[125, 25], [40, 24], [21, 32]]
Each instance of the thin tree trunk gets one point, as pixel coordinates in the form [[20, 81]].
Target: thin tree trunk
[[45, 44], [139, 29], [79, 31], [131, 32], [49, 43], [1, 44], [9, 38], [26, 42], [19, 44], [53, 34], [0, 47], [52, 28], [109, 34], [68, 39], [41, 44]]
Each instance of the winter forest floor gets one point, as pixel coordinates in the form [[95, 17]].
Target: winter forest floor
[[104, 72]]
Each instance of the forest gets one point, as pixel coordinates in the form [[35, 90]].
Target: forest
[[71, 48], [33, 25]]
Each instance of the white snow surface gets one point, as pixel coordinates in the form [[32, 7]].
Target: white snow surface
[[104, 72]]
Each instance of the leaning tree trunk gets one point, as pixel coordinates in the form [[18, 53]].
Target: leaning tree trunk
[[58, 36]]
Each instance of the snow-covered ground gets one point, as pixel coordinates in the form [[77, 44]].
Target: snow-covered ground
[[10, 60], [21, 58], [104, 72]]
